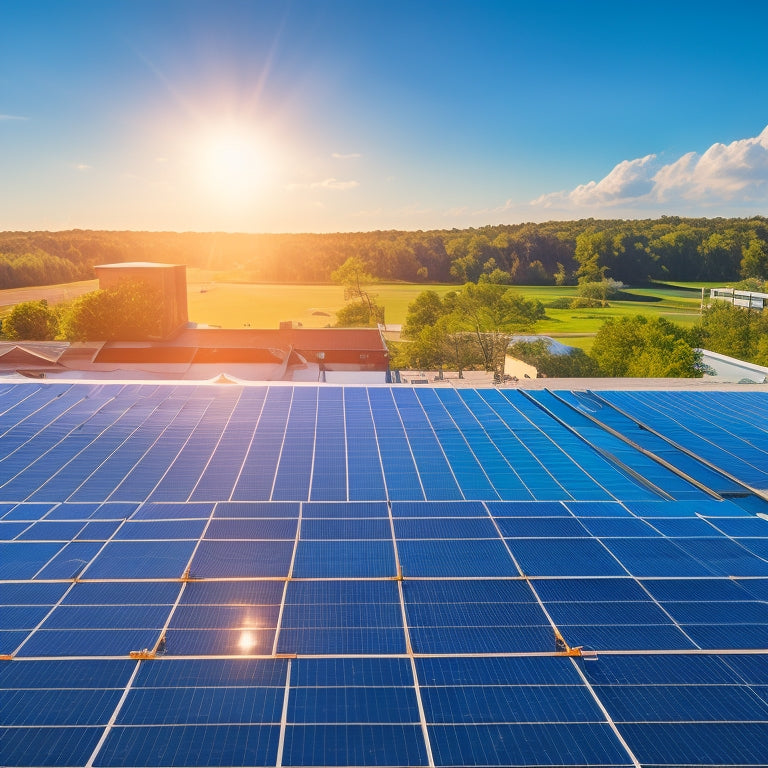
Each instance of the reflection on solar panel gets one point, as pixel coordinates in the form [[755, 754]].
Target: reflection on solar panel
[[214, 575]]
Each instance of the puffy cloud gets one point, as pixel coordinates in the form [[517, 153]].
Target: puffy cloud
[[326, 184], [349, 156], [733, 173]]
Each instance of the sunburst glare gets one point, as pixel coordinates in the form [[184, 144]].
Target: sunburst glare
[[234, 163]]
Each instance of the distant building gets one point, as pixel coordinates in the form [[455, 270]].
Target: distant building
[[726, 368], [339, 355], [739, 298], [169, 280]]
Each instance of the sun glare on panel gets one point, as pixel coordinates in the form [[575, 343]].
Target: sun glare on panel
[[247, 641]]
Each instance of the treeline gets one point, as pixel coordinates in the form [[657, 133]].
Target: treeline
[[39, 268], [563, 252]]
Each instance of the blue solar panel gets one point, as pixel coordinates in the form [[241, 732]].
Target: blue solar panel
[[122, 593], [555, 744], [141, 560], [344, 559], [381, 672], [455, 557], [358, 704], [564, 557], [80, 707], [354, 744], [258, 531], [201, 706], [107, 617], [232, 593], [241, 559], [345, 529], [205, 673], [160, 529], [70, 561], [509, 703], [697, 743], [446, 528], [342, 617], [183, 745], [439, 509], [22, 560], [497, 670], [88, 642], [256, 509], [260, 528], [168, 511], [350, 509], [49, 746], [656, 557]]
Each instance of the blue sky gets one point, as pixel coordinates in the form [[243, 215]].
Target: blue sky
[[319, 116]]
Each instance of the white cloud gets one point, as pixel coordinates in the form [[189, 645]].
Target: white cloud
[[349, 156], [331, 183], [83, 167], [12, 117], [735, 173]]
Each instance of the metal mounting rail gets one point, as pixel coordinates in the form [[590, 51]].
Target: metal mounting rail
[[748, 489], [610, 457], [648, 454]]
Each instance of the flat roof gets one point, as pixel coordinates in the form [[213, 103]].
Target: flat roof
[[138, 265]]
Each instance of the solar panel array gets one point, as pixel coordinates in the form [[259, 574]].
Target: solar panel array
[[216, 575]]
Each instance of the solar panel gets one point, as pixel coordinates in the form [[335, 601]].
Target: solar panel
[[310, 576]]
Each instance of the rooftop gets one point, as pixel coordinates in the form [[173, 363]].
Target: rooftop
[[227, 574]]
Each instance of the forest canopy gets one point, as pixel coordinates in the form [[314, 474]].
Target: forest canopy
[[561, 252]]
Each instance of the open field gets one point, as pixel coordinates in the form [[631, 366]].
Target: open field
[[676, 306], [55, 294], [233, 305], [237, 305]]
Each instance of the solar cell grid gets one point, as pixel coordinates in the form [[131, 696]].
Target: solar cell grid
[[115, 511], [302, 503]]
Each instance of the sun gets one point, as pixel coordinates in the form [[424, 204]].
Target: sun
[[234, 163]]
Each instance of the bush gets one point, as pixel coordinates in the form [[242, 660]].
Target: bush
[[638, 347], [32, 320], [359, 314], [129, 312], [583, 302], [561, 302]]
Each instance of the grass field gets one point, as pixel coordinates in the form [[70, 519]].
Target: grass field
[[238, 305], [55, 294], [233, 305]]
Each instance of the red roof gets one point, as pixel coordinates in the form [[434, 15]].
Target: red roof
[[301, 339]]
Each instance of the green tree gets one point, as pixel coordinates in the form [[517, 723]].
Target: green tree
[[359, 314], [561, 276], [131, 311], [593, 251], [754, 261], [761, 352], [355, 277], [492, 313], [733, 331], [638, 347], [536, 274], [425, 310], [32, 320]]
